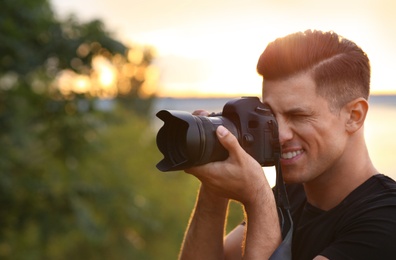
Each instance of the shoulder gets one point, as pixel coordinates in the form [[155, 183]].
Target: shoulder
[[385, 182], [379, 189], [362, 226], [382, 181], [365, 226], [374, 199]]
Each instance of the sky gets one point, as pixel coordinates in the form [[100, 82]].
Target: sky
[[211, 47]]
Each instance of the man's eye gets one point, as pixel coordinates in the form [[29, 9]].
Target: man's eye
[[300, 117]]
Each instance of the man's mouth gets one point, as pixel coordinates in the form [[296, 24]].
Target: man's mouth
[[291, 155]]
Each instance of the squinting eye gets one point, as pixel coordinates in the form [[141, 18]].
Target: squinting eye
[[299, 117]]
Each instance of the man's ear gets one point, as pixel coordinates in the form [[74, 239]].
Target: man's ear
[[356, 112]]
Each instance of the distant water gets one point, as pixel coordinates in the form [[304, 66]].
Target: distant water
[[380, 126], [191, 104]]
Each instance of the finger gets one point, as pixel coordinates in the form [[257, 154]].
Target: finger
[[229, 141], [200, 112]]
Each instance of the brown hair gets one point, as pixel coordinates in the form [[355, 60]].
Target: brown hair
[[340, 68]]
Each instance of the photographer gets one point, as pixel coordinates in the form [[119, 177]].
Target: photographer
[[317, 85]]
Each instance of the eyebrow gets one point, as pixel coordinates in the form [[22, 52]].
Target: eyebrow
[[298, 110]]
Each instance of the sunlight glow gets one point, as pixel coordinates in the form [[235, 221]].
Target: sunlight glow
[[103, 86], [109, 75], [223, 57], [151, 82], [135, 56], [233, 31], [65, 82], [211, 49], [82, 84], [101, 83]]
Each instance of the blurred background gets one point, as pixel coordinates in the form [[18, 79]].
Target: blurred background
[[81, 81]]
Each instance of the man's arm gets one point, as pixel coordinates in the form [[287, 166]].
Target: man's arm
[[204, 236], [263, 234], [234, 243], [260, 239], [241, 178]]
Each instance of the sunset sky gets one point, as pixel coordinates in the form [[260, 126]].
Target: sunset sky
[[210, 47]]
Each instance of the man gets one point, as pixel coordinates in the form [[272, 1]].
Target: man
[[317, 84]]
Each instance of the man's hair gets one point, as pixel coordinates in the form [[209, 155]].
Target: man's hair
[[340, 68]]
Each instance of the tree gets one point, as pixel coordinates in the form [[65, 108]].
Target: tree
[[55, 200]]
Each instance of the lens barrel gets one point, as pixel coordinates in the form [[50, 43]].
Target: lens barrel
[[186, 140]]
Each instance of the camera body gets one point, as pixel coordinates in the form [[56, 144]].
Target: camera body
[[186, 140]]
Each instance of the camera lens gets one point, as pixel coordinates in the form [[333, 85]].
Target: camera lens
[[186, 140]]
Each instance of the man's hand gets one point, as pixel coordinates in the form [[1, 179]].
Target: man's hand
[[239, 177]]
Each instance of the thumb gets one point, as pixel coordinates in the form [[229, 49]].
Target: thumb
[[228, 140]]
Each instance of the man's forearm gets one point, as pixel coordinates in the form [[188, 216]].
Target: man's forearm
[[263, 231], [205, 234]]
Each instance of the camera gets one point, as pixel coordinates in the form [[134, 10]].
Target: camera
[[186, 140]]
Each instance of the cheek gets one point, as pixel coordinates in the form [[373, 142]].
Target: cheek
[[327, 141], [320, 137]]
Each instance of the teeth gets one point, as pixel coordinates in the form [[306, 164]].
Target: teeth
[[290, 155]]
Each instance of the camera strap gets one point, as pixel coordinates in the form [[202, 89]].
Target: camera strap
[[285, 220]]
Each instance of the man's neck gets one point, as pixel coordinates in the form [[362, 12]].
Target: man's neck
[[333, 186]]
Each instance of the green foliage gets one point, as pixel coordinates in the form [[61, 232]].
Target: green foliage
[[30, 35], [60, 194], [112, 204], [159, 204], [77, 182]]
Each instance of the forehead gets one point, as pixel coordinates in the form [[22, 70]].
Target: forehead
[[300, 89]]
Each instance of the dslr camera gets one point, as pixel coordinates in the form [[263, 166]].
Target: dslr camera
[[186, 140]]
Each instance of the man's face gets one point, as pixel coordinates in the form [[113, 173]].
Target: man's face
[[312, 138]]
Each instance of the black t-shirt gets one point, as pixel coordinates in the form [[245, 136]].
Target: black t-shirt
[[362, 226]]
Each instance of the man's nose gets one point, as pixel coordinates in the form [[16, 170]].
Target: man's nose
[[285, 131]]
